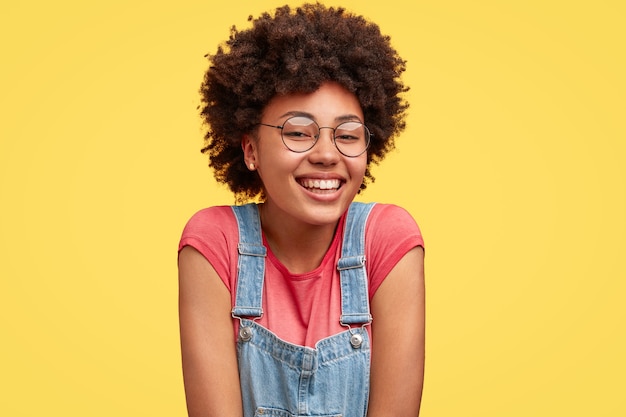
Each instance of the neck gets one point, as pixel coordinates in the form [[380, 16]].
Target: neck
[[299, 246]]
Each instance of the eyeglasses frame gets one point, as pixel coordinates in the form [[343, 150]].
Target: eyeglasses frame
[[319, 128]]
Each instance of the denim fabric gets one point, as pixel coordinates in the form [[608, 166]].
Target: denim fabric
[[281, 379]]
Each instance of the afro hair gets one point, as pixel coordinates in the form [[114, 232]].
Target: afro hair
[[296, 51]]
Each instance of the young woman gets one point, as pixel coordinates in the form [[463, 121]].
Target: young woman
[[305, 303]]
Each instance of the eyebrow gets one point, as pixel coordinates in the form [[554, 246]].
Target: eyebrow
[[342, 118]]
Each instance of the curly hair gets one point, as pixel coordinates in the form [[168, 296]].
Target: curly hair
[[295, 51]]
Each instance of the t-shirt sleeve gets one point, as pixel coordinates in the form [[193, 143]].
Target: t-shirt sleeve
[[213, 233], [390, 233]]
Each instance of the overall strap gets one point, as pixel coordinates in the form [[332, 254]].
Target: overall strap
[[251, 263], [355, 308]]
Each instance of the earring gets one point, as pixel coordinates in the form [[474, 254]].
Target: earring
[[252, 167]]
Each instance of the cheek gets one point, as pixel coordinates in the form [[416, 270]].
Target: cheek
[[359, 166], [278, 163]]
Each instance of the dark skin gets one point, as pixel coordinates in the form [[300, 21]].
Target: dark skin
[[209, 355], [208, 350], [287, 54]]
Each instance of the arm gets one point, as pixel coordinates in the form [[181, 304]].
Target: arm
[[207, 342], [397, 371]]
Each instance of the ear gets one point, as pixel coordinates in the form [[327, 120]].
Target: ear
[[249, 147]]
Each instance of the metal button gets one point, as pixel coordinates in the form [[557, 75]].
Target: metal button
[[245, 334], [356, 340]]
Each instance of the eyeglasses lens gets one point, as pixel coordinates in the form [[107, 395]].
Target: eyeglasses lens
[[301, 133]]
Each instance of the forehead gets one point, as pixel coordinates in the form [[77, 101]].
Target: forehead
[[329, 103]]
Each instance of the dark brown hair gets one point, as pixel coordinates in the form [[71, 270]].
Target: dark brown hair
[[296, 51]]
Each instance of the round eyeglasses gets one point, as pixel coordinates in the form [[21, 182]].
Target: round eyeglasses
[[300, 134]]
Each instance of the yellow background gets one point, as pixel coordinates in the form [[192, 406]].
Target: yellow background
[[513, 164]]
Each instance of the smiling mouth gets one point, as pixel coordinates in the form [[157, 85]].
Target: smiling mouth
[[320, 186]]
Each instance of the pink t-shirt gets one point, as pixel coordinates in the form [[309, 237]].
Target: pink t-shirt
[[303, 308]]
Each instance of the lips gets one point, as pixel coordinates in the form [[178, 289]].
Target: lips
[[320, 185]]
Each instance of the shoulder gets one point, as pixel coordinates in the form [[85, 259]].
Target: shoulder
[[389, 219], [212, 225], [210, 216], [214, 233], [390, 233]]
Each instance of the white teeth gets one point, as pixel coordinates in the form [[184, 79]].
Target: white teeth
[[321, 184]]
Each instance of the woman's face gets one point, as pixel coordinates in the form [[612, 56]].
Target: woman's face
[[313, 187]]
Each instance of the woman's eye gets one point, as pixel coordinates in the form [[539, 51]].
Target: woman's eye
[[347, 138], [297, 135]]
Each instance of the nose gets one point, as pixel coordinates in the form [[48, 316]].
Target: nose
[[324, 151]]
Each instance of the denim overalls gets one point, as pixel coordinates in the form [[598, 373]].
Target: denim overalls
[[280, 379]]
